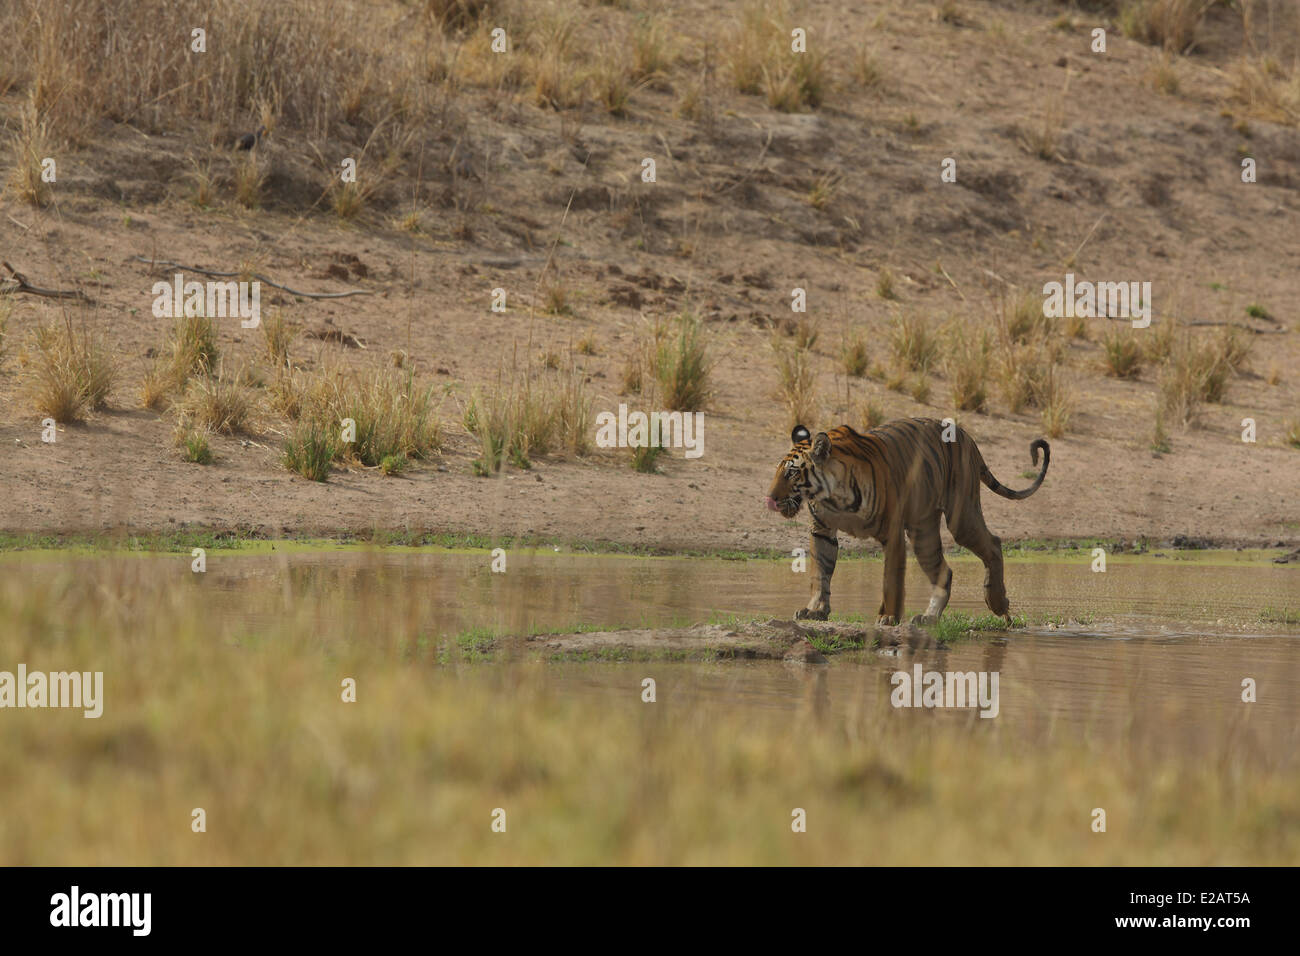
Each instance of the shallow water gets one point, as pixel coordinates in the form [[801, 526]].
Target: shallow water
[[1165, 643], [1134, 598]]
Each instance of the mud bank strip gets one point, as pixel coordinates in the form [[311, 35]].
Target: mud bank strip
[[795, 642]]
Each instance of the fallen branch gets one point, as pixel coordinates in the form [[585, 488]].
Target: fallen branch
[[259, 278], [949, 278], [1199, 323], [17, 282], [1235, 325], [1074, 256]]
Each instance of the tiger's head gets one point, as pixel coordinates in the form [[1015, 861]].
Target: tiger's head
[[799, 476]]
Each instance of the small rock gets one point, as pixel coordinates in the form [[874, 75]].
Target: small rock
[[802, 652]]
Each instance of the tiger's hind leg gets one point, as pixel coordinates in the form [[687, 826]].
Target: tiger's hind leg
[[928, 548], [969, 530]]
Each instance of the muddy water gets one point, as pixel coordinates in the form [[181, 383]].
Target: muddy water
[[1167, 640]]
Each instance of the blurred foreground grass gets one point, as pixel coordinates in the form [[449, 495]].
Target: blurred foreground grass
[[248, 723]]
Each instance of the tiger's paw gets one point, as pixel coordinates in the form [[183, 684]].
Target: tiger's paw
[[804, 614]]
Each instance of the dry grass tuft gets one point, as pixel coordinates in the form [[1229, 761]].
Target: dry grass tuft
[[459, 15], [556, 298], [797, 383], [855, 356], [67, 373], [73, 81], [870, 413], [1121, 354], [967, 368], [390, 414], [31, 146], [157, 386], [1023, 375], [1198, 371], [762, 62], [914, 342], [249, 181], [885, 286], [1159, 437], [1265, 90], [1171, 24], [309, 449], [277, 336], [682, 366], [6, 311], [216, 403], [523, 415], [868, 72], [1058, 403], [194, 345], [652, 50], [194, 444], [1163, 74]]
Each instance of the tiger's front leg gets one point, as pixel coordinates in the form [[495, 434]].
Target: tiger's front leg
[[825, 547], [891, 608]]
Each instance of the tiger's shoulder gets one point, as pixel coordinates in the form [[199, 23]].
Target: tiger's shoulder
[[910, 427]]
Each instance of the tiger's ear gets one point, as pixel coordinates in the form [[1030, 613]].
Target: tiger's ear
[[799, 434], [821, 446]]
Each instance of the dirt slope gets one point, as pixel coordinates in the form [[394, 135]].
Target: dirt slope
[[1145, 186]]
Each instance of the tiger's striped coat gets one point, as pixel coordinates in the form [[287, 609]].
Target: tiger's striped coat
[[897, 478]]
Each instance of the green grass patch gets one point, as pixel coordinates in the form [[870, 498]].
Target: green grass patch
[[477, 644], [955, 625], [835, 643], [309, 450], [1272, 615]]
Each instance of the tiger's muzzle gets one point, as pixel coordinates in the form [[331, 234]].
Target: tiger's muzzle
[[789, 507]]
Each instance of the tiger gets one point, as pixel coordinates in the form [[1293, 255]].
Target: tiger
[[898, 477]]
